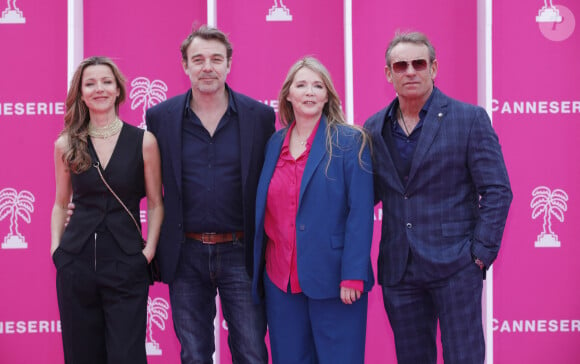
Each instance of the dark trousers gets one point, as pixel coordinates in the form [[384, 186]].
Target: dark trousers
[[102, 299], [414, 307]]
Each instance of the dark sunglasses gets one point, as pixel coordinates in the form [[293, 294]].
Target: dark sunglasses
[[401, 66]]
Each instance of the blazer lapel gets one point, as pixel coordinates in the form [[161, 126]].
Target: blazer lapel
[[317, 152], [272, 155], [431, 126], [173, 128], [385, 164], [247, 132], [271, 158]]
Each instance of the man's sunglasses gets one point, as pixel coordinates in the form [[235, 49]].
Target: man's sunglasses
[[401, 66]]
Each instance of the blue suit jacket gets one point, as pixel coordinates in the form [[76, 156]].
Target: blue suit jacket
[[456, 199], [334, 222], [165, 122]]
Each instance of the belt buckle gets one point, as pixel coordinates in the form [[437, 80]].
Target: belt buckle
[[208, 235]]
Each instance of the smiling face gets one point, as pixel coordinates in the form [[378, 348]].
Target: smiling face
[[207, 65], [99, 89], [307, 94], [410, 83]]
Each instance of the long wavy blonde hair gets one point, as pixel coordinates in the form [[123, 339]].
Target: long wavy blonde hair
[[332, 109], [76, 118]]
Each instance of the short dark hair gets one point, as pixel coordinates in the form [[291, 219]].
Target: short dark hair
[[207, 33]]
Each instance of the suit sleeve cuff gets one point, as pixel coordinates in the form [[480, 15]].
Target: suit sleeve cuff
[[354, 284]]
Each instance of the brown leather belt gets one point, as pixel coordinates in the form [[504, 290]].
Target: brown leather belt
[[215, 238]]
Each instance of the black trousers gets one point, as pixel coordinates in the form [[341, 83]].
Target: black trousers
[[102, 298]]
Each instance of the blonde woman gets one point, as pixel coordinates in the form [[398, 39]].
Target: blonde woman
[[314, 223]]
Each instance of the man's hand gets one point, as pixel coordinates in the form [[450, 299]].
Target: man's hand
[[69, 212]]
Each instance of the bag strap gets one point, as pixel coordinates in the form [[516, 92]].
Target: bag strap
[[97, 166]]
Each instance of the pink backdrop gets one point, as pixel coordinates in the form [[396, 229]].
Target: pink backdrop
[[263, 55], [537, 305], [537, 309], [144, 39], [374, 24], [32, 93]]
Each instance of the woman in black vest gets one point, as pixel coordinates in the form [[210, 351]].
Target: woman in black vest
[[102, 280]]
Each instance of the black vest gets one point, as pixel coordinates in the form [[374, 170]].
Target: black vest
[[96, 208]]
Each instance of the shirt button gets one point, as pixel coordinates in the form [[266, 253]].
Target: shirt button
[[409, 225], [302, 227], [406, 197]]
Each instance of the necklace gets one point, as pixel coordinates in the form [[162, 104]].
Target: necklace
[[106, 131], [299, 139], [404, 123]]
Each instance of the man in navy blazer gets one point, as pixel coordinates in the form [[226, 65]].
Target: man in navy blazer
[[212, 143], [440, 174]]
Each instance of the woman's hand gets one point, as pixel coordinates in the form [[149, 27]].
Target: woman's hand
[[349, 295], [149, 254]]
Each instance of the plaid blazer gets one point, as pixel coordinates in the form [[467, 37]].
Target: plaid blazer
[[456, 200]]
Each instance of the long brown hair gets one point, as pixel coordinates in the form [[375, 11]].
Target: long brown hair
[[332, 109], [76, 118]]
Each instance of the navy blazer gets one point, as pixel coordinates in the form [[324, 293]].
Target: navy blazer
[[334, 222], [456, 199], [165, 122]]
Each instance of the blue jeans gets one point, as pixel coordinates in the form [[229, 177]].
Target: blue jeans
[[202, 270]]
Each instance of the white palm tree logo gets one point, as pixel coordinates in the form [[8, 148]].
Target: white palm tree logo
[[279, 12], [12, 15], [146, 94], [548, 203], [156, 315], [16, 205], [548, 13]]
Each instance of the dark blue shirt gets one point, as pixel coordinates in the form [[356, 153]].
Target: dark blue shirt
[[401, 146], [211, 173]]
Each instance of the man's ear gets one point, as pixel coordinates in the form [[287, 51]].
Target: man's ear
[[388, 74]]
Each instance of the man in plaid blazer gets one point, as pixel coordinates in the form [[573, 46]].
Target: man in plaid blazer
[[441, 177]]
